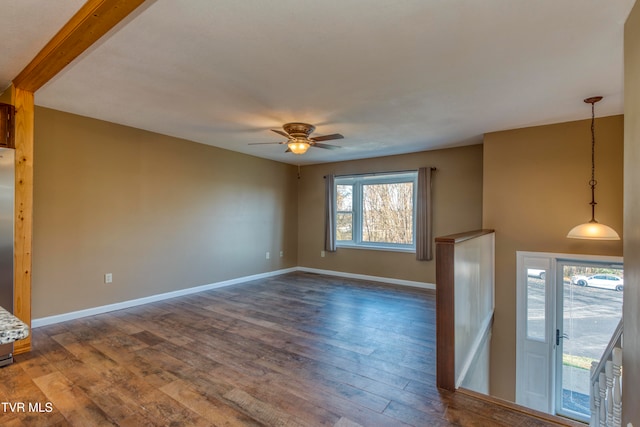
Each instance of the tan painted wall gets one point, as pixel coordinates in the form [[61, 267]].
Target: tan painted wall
[[457, 198], [631, 308], [535, 189], [159, 213]]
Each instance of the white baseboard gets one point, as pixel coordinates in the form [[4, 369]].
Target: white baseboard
[[423, 285], [50, 320]]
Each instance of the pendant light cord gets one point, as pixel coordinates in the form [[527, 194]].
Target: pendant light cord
[[593, 181], [593, 230]]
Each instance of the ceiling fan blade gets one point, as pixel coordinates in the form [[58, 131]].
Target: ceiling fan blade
[[264, 143], [288, 150], [327, 146], [281, 132], [327, 137]]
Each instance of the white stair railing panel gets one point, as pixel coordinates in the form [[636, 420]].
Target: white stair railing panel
[[608, 372], [602, 391], [617, 386], [606, 385], [595, 400]]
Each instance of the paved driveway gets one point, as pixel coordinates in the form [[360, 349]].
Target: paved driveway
[[590, 316]]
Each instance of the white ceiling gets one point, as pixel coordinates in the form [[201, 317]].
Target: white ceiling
[[391, 76]]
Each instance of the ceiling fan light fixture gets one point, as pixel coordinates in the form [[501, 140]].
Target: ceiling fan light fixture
[[298, 146], [299, 138]]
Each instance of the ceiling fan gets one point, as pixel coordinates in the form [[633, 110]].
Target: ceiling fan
[[298, 139]]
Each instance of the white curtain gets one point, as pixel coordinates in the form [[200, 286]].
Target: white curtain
[[424, 250], [330, 214]]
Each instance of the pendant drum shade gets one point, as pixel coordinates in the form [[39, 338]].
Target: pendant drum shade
[[593, 231]]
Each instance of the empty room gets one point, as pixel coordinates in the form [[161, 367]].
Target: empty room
[[358, 213]]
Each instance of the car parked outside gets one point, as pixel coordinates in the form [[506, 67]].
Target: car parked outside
[[605, 281], [534, 272]]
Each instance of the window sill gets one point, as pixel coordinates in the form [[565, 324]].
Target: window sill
[[377, 248]]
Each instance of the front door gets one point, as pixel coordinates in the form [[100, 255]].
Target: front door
[[590, 309], [535, 319], [568, 307]]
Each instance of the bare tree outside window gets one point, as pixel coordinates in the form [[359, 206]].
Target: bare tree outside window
[[344, 215], [376, 210], [387, 213]]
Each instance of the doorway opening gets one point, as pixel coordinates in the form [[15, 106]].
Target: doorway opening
[[568, 307], [590, 312]]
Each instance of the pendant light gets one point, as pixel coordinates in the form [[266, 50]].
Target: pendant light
[[593, 230]]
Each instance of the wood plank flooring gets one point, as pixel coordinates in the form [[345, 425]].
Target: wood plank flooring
[[295, 350]]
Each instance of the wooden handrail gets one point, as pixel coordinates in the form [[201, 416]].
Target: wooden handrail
[[461, 237]]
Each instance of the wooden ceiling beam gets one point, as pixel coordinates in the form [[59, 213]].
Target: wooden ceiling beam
[[94, 19], [86, 27]]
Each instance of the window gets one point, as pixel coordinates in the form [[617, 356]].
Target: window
[[376, 210]]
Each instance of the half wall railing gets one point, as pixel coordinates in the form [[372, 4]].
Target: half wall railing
[[465, 282]]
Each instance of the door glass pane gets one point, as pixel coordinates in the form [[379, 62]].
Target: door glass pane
[[536, 291], [592, 308]]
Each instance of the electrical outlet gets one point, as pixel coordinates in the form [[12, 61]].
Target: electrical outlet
[[281, 254], [108, 278], [268, 255], [322, 253]]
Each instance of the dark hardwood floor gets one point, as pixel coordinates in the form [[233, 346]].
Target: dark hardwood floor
[[294, 350]]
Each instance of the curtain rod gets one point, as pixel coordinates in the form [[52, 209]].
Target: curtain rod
[[380, 173]]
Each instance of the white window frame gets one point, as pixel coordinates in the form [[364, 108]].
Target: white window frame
[[358, 181]]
